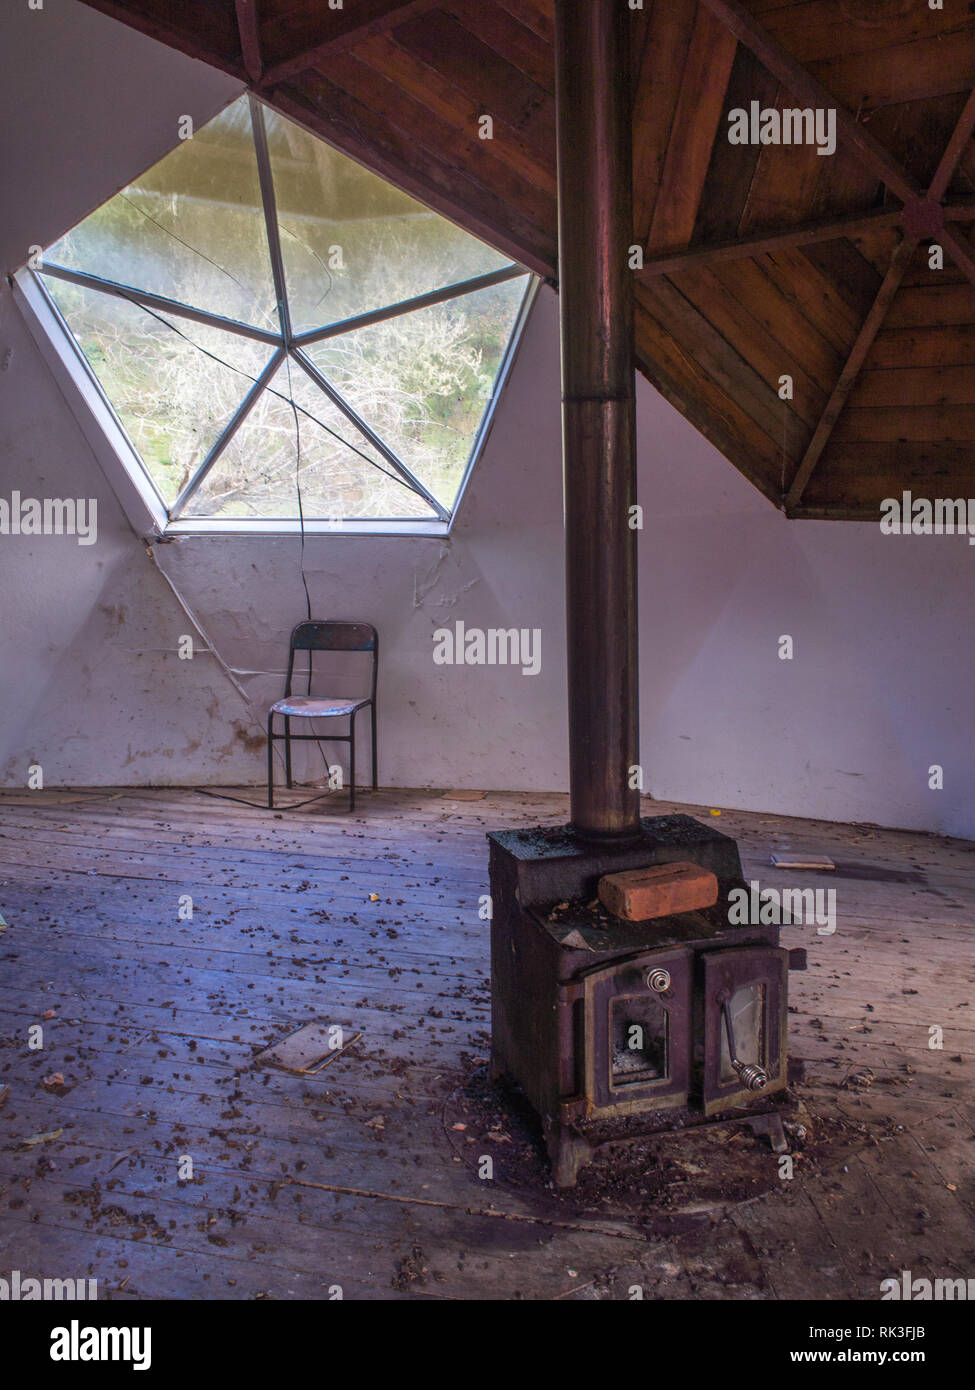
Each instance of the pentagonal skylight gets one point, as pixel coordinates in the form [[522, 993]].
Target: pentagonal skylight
[[284, 335]]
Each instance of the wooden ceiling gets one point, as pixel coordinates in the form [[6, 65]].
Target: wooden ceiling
[[760, 261]]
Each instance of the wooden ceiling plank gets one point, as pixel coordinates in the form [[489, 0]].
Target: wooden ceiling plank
[[913, 385], [908, 72], [334, 114], [250, 42], [823, 29], [532, 194], [719, 418], [425, 84], [937, 306], [862, 470], [762, 242], [731, 173], [960, 251], [853, 277], [924, 347], [811, 92], [485, 77], [538, 15], [816, 295], [785, 322], [916, 132], [922, 423], [732, 318], [786, 185], [871, 327], [876, 247], [509, 37], [700, 106], [725, 364], [349, 27], [657, 91]]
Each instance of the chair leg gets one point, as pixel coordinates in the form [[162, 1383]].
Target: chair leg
[[352, 763], [375, 765], [270, 761], [287, 750]]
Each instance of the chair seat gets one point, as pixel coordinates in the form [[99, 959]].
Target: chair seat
[[316, 707]]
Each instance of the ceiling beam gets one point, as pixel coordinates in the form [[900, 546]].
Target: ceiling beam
[[708, 253], [801, 83], [961, 252], [250, 39], [954, 150], [347, 27], [871, 327], [922, 217]]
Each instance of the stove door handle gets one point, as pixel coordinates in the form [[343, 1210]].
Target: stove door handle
[[750, 1074]]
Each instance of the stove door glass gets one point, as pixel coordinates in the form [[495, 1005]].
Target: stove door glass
[[747, 1009], [640, 1040]]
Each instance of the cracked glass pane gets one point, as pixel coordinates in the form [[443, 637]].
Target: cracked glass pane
[[350, 241], [191, 228], [174, 388], [423, 380], [340, 473]]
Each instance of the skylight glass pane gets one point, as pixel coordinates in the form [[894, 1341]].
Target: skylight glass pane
[[192, 228], [350, 241], [423, 380], [172, 397], [255, 476]]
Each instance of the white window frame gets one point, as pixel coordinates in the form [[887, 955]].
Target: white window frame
[[121, 462]]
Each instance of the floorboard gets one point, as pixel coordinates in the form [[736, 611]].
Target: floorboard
[[296, 1184]]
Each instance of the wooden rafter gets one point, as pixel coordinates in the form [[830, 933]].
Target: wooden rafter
[[961, 252], [764, 242], [250, 40], [800, 81], [855, 224], [954, 150], [348, 27], [871, 327]]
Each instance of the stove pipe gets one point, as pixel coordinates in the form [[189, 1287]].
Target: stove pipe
[[593, 101]]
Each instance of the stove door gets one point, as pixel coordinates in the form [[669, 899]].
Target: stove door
[[637, 1033], [746, 987]]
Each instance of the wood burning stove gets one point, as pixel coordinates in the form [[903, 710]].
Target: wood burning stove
[[606, 1022], [611, 1027]]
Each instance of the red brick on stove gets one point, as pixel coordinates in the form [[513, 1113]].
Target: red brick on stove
[[660, 890]]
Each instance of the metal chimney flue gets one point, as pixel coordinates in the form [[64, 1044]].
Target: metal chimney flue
[[593, 99]]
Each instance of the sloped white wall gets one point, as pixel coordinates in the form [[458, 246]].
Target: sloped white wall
[[92, 688]]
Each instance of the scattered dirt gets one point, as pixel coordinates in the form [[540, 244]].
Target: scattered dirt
[[412, 1269], [649, 1179]]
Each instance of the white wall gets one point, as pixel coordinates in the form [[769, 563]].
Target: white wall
[[91, 686]]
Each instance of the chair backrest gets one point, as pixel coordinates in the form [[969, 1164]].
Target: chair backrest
[[333, 637]]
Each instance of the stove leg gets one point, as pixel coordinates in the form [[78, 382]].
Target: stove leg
[[567, 1152], [771, 1126]]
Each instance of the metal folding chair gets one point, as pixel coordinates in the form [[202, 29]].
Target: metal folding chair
[[323, 637]]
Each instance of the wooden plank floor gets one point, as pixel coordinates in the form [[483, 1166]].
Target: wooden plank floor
[[349, 1178]]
